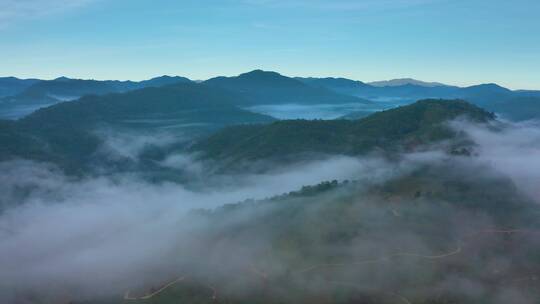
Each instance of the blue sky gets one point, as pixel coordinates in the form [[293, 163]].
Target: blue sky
[[454, 41]]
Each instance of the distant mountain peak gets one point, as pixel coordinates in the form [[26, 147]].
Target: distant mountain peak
[[488, 85], [165, 80], [167, 77], [405, 81], [333, 82], [267, 87], [62, 78], [258, 78], [491, 87], [261, 74]]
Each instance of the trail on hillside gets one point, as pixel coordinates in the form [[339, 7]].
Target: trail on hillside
[[165, 287], [396, 295], [264, 276], [459, 249], [150, 295]]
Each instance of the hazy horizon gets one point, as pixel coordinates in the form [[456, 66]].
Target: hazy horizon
[[242, 186], [454, 42], [291, 76]]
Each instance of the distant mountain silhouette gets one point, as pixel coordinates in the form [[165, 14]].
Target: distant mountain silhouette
[[270, 88], [404, 81], [485, 91], [411, 92], [517, 108], [12, 85], [517, 105], [47, 92], [74, 88], [333, 82], [340, 85], [65, 133], [261, 87]]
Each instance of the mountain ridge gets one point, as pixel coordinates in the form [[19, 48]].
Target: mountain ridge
[[403, 127], [263, 87], [47, 92], [403, 81], [65, 133]]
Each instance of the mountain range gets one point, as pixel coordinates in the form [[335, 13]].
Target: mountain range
[[262, 88], [69, 132], [11, 86], [404, 81], [29, 95], [516, 105], [394, 130], [423, 212]]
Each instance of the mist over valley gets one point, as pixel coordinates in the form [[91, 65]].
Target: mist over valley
[[269, 152], [185, 193]]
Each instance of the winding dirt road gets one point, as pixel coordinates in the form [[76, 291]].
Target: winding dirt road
[[128, 297], [264, 276], [150, 295], [396, 295], [456, 251], [383, 259]]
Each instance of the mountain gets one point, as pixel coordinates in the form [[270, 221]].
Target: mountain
[[339, 85], [356, 115], [515, 105], [16, 143], [414, 90], [261, 88], [404, 81], [485, 93], [517, 108], [48, 92], [351, 242], [186, 102], [69, 130], [12, 86], [400, 128], [485, 89], [528, 93], [331, 82], [270, 93], [161, 81], [63, 88], [450, 230], [409, 91]]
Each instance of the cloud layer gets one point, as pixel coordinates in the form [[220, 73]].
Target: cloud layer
[[12, 11], [64, 237]]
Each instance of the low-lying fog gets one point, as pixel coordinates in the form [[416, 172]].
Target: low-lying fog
[[62, 236], [316, 111], [19, 111]]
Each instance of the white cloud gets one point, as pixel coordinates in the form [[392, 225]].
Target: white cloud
[[12, 11], [512, 151], [102, 235], [340, 4]]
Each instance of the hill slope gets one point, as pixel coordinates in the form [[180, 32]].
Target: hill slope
[[518, 108], [410, 125], [68, 130], [389, 243]]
